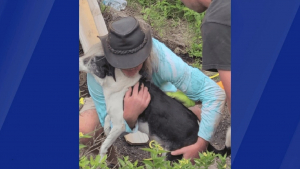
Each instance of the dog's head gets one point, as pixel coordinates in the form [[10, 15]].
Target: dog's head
[[94, 62]]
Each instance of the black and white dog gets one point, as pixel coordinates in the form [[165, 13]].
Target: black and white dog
[[165, 120]]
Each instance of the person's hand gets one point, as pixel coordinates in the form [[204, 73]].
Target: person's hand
[[192, 151], [135, 103]]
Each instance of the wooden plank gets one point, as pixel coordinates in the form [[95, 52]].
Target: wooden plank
[[88, 30], [98, 18]]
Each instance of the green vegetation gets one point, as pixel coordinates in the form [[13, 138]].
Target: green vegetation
[[161, 12], [157, 161], [197, 64]]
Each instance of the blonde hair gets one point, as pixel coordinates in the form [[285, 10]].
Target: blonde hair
[[151, 63]]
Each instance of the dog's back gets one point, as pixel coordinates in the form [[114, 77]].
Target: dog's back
[[169, 120]]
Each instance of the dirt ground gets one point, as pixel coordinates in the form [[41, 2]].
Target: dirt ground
[[176, 42]]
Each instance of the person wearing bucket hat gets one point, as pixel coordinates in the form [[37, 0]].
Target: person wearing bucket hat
[[130, 47], [126, 46]]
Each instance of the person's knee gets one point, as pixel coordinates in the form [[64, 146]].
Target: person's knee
[[88, 123]]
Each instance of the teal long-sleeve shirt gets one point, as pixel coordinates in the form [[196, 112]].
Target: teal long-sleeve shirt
[[172, 74]]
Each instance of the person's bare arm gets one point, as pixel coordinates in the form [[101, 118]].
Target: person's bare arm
[[192, 151]]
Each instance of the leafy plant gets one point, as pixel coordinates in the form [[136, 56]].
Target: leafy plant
[[126, 164], [103, 8], [197, 64], [196, 50], [91, 163], [206, 159], [222, 162], [183, 164], [157, 161]]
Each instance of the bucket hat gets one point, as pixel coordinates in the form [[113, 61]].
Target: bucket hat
[[126, 45]]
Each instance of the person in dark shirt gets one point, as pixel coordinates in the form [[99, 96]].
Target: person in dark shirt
[[216, 53]]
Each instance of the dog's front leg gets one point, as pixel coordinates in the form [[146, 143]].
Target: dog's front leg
[[115, 132], [107, 125], [115, 112]]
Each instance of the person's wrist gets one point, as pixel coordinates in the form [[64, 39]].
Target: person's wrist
[[130, 119]]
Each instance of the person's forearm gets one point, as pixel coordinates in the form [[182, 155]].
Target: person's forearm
[[201, 142], [212, 107], [192, 151]]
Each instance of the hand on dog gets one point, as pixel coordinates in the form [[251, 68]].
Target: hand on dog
[[192, 151], [135, 102]]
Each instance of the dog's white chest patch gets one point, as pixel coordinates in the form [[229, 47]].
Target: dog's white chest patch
[[114, 91]]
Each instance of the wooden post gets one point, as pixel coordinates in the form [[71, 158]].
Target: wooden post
[[91, 24], [98, 18]]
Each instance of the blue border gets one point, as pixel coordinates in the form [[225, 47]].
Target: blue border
[[265, 90], [39, 84]]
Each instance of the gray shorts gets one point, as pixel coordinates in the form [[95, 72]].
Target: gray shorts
[[88, 104], [216, 54]]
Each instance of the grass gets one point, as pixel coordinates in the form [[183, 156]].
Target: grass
[[162, 14], [197, 64]]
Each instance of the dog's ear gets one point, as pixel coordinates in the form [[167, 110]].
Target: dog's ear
[[85, 61], [103, 68]]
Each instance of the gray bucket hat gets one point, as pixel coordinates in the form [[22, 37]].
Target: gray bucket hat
[[126, 45]]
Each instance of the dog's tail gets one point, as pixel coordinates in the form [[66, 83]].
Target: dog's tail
[[226, 149]]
